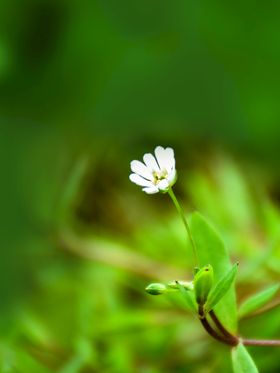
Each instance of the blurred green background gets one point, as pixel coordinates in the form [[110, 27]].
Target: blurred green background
[[86, 87]]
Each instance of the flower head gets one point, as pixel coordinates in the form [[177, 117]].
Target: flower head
[[157, 173]]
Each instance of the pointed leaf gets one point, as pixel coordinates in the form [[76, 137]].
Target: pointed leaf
[[257, 301], [211, 250], [188, 296], [221, 288], [242, 362]]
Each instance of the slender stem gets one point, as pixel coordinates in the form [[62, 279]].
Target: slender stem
[[181, 213], [222, 329], [260, 342]]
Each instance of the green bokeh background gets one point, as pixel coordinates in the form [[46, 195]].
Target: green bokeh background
[[87, 86]]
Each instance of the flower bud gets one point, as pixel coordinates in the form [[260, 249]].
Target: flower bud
[[188, 285], [203, 282], [156, 289]]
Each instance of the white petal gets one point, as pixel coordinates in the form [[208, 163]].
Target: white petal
[[151, 190], [165, 158], [140, 181], [172, 176], [151, 162], [170, 159], [140, 169], [163, 184], [159, 153]]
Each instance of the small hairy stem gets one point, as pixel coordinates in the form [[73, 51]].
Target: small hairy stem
[[181, 213], [222, 329], [260, 342]]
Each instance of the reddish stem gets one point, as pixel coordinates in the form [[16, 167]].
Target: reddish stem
[[222, 338], [260, 342], [222, 329]]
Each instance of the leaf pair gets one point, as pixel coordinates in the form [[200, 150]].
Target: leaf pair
[[211, 249], [201, 290]]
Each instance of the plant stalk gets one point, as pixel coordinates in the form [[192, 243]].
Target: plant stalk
[[182, 215], [260, 342]]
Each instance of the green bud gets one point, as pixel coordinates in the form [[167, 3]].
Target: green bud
[[188, 285], [203, 282], [156, 289]]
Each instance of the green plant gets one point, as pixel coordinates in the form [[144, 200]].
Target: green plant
[[211, 293]]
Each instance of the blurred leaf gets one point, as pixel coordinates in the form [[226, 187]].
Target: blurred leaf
[[257, 301], [211, 250], [25, 363], [221, 288], [242, 361], [74, 365], [72, 187]]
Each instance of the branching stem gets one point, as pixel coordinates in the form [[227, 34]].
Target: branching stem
[[229, 338], [226, 339], [222, 329]]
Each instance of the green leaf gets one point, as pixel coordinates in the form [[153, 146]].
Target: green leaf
[[188, 296], [257, 301], [242, 362], [221, 288], [211, 250]]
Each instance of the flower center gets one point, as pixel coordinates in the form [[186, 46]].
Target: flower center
[[159, 175]]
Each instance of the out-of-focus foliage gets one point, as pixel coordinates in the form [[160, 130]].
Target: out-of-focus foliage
[[206, 68], [87, 86], [257, 301], [101, 241]]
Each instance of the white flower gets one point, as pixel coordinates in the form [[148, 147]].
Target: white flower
[[156, 174]]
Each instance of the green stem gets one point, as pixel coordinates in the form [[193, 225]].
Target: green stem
[[181, 213]]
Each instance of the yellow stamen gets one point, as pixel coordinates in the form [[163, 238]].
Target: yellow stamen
[[159, 175]]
